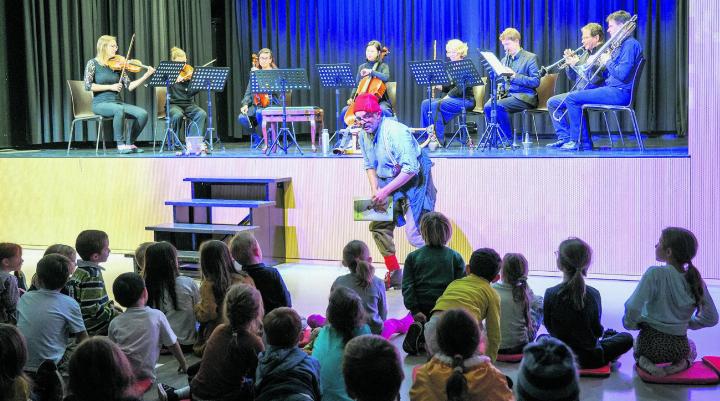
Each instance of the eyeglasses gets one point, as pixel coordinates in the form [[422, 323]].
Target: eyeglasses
[[366, 117]]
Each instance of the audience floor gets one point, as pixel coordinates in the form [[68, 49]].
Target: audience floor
[[309, 285]]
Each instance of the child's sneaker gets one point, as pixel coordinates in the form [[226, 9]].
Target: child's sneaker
[[414, 342]]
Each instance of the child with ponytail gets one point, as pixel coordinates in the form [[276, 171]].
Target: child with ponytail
[[520, 309], [668, 301], [458, 372], [572, 310]]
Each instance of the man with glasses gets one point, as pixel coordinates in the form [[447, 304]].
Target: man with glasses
[[398, 171]]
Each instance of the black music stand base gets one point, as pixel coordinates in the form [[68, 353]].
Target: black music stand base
[[170, 138]]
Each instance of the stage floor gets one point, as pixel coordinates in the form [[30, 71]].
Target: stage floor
[[655, 146]]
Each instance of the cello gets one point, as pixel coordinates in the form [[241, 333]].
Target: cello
[[259, 99], [368, 84]]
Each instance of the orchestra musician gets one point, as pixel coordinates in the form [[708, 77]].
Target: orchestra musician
[[592, 39], [106, 81], [375, 67], [619, 71], [181, 97], [253, 104], [519, 91], [440, 111]]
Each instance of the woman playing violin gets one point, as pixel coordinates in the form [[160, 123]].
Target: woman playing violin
[[106, 84], [441, 111], [253, 104], [369, 68], [181, 97]]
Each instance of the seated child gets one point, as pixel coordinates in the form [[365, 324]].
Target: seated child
[[346, 320], [171, 293], [429, 270], [246, 251], [64, 250], [520, 309], [99, 370], [285, 372], [458, 369], [139, 256], [474, 294], [669, 300], [572, 310], [547, 372], [48, 318], [141, 330], [372, 369], [14, 385], [227, 369], [87, 285], [218, 274], [10, 263]]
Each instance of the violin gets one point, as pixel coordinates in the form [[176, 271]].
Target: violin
[[259, 99], [187, 71], [118, 63], [368, 84]]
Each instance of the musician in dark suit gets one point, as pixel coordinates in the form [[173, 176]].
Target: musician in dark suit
[[520, 89], [619, 73], [592, 40]]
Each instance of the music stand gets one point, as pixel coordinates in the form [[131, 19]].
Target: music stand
[[336, 76], [464, 74], [211, 79], [165, 75], [493, 132], [280, 81], [429, 73]]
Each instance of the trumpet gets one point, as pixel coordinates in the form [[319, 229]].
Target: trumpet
[[560, 64]]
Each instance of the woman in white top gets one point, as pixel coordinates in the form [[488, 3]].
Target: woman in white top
[[669, 300]]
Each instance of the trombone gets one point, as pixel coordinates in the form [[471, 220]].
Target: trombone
[[594, 63]]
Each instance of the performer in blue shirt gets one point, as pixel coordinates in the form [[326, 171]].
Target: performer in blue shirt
[[519, 92], [619, 74], [592, 40], [398, 171]]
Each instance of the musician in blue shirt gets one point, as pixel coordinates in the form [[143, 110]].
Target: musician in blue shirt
[[592, 41], [519, 90], [619, 74]]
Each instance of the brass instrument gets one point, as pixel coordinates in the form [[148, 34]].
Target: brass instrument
[[502, 85], [560, 64], [595, 63]]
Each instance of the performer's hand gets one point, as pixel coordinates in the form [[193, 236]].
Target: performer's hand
[[604, 58], [438, 87], [150, 71], [380, 197], [116, 87], [365, 72], [572, 60], [349, 102], [244, 109]]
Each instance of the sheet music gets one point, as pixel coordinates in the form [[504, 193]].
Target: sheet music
[[496, 65]]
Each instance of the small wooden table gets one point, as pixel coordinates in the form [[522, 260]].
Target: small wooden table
[[311, 114]]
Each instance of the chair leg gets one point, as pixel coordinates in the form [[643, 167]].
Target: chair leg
[[537, 138], [617, 120], [582, 123], [99, 134], [72, 128], [607, 127], [637, 130]]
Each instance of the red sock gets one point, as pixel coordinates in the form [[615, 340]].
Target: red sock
[[391, 263]]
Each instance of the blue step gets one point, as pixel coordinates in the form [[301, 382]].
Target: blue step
[[252, 204], [226, 180], [200, 228]]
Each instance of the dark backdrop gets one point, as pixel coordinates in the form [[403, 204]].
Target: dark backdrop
[[43, 43]]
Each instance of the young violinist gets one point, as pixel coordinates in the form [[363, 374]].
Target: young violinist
[[106, 84], [181, 97], [441, 111], [374, 67], [253, 104]]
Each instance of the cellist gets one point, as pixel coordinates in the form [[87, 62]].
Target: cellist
[[374, 67], [253, 104]]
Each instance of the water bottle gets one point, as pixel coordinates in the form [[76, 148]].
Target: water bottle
[[325, 141], [527, 142]]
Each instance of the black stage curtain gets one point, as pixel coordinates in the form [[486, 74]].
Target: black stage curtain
[[43, 43], [50, 41], [303, 33]]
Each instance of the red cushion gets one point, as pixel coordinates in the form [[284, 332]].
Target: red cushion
[[512, 358], [603, 371], [141, 386], [699, 373], [713, 362]]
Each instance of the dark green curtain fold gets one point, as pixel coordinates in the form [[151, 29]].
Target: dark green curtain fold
[[55, 39]]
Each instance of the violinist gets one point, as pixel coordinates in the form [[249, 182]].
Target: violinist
[[253, 104], [374, 67], [106, 84], [441, 111], [181, 97]]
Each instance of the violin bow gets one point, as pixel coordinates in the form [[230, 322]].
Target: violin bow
[[127, 57], [209, 62]]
